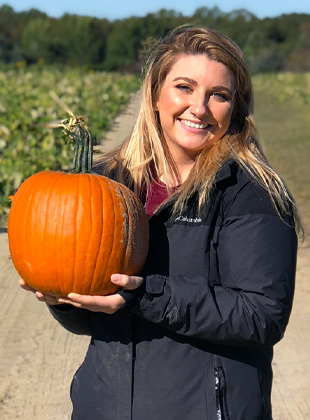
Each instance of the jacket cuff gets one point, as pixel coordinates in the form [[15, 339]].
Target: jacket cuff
[[132, 297], [155, 285]]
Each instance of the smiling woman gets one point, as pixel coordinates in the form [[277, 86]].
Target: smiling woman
[[191, 336]]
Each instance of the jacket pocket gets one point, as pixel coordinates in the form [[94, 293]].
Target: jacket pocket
[[220, 393], [238, 388]]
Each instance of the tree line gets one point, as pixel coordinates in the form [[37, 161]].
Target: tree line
[[269, 44]]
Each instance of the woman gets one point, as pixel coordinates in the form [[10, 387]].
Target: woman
[[192, 336]]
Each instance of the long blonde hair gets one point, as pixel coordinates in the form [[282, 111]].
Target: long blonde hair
[[145, 152]]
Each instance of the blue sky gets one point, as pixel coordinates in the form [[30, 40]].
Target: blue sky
[[119, 9]]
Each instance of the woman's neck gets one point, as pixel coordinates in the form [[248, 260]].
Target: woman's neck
[[184, 169]]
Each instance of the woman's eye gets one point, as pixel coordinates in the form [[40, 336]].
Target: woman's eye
[[184, 88], [220, 96]]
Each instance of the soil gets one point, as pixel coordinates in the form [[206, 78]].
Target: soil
[[38, 357]]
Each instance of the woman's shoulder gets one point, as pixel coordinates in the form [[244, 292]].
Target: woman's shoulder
[[232, 177], [244, 192]]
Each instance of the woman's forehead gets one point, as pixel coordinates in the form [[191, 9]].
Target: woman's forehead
[[201, 69]]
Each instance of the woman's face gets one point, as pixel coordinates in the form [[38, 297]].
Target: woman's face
[[195, 105]]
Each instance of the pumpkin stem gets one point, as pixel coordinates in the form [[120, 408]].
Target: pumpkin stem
[[77, 131]]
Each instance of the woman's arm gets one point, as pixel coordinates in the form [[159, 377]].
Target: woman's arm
[[77, 321], [251, 303]]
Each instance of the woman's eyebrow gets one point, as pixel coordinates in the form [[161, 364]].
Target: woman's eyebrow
[[186, 79], [221, 88]]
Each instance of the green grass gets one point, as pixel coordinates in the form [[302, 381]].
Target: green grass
[[282, 113]]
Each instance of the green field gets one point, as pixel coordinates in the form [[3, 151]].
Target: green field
[[282, 112], [28, 145], [27, 107]]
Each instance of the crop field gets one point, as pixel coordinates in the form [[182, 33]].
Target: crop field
[[27, 107]]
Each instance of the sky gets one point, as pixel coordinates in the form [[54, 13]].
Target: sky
[[120, 9]]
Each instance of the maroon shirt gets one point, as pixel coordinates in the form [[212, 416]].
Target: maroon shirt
[[157, 194]]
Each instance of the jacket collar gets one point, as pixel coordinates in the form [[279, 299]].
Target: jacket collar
[[226, 171]]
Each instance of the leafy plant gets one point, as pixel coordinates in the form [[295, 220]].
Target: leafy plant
[[28, 144]]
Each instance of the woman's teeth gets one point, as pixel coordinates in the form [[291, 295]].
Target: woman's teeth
[[193, 125]]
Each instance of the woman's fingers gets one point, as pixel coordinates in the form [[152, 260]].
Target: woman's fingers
[[25, 286], [42, 297], [126, 282], [107, 304], [49, 299]]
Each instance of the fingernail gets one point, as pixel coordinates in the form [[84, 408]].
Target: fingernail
[[115, 279], [73, 296]]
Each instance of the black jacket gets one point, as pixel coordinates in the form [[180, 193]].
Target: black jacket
[[194, 342]]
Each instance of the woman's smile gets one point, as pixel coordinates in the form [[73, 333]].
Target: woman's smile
[[193, 125]]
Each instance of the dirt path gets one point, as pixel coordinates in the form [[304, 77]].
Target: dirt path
[[38, 357]]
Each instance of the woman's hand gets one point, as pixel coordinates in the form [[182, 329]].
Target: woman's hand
[[107, 304], [42, 297]]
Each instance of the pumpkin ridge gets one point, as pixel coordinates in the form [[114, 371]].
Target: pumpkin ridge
[[98, 275], [116, 254], [75, 234], [20, 231], [28, 233], [45, 221], [89, 250], [103, 251], [48, 193], [58, 245], [82, 244], [70, 180], [92, 241], [115, 230], [127, 229], [52, 181], [96, 257], [125, 225], [102, 245]]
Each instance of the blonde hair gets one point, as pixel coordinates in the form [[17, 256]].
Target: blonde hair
[[145, 153]]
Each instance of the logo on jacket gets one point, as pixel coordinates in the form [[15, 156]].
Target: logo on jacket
[[188, 219]]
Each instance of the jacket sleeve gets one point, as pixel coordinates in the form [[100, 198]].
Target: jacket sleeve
[[250, 306], [75, 320]]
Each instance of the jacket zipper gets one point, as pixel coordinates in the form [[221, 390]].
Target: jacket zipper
[[220, 392], [217, 395]]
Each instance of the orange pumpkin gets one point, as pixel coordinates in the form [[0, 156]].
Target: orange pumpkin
[[69, 232]]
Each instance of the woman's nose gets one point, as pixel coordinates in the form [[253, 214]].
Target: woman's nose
[[199, 106]]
